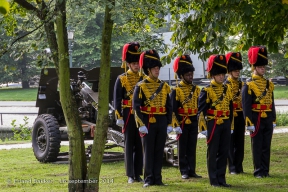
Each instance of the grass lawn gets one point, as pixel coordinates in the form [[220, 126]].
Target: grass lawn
[[20, 171], [18, 94], [281, 92]]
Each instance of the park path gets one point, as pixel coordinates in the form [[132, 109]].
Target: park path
[[29, 107]]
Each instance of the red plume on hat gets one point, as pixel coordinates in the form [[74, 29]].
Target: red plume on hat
[[141, 60], [124, 51], [210, 62], [228, 55], [253, 54], [176, 64]]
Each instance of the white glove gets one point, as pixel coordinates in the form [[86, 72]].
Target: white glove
[[177, 130], [169, 129], [274, 125], [143, 129], [232, 131], [120, 122], [250, 128], [204, 133]]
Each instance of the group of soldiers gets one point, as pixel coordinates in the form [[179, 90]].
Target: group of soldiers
[[147, 110]]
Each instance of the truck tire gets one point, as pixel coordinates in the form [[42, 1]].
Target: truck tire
[[46, 138]]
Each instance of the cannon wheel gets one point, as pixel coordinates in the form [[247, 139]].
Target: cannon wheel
[[46, 138]]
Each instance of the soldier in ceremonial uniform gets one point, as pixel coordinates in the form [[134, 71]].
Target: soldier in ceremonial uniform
[[215, 114], [123, 94], [259, 110], [236, 153], [184, 100], [153, 115]]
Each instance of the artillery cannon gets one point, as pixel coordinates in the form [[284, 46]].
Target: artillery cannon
[[50, 128]]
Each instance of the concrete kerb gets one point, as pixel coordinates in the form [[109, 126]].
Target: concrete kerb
[[29, 145]]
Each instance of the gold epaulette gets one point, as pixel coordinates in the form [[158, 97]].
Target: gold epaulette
[[207, 91], [249, 88], [271, 86], [197, 90], [140, 84], [123, 79], [167, 88], [229, 92], [177, 89]]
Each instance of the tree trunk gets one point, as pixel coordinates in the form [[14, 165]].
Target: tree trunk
[[77, 160], [24, 76], [286, 77], [103, 106], [59, 50], [25, 84]]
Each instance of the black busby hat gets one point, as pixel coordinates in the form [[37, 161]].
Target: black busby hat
[[130, 53], [234, 61], [183, 65], [149, 59], [257, 56], [216, 65]]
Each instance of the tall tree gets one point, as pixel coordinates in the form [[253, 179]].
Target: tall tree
[[103, 118], [51, 14]]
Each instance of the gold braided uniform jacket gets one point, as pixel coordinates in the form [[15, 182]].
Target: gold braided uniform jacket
[[236, 87], [184, 103], [209, 100], [252, 93], [123, 90], [161, 103]]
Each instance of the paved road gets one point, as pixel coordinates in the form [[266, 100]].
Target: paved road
[[17, 103], [281, 102]]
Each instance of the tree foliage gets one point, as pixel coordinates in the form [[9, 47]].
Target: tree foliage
[[87, 21], [18, 48], [205, 24]]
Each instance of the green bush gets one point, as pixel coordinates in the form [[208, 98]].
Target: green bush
[[282, 119], [23, 132]]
